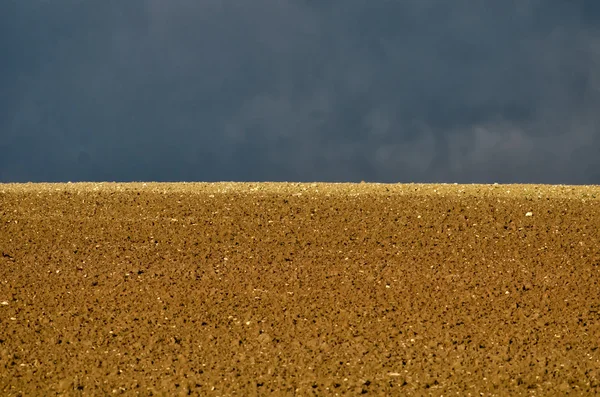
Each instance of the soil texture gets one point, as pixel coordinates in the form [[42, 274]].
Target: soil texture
[[299, 289]]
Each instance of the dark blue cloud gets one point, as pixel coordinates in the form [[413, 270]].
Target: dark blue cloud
[[300, 90]]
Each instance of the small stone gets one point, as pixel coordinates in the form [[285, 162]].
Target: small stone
[[529, 213], [264, 338]]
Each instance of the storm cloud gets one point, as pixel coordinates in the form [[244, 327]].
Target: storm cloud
[[275, 90]]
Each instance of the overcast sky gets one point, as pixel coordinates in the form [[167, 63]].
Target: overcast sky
[[300, 90]]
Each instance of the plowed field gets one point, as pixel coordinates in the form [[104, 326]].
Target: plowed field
[[299, 289]]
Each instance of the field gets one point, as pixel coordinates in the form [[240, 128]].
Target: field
[[303, 289]]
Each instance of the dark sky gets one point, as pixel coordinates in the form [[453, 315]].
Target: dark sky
[[300, 90]]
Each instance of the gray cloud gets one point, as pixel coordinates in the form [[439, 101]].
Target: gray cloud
[[389, 91]]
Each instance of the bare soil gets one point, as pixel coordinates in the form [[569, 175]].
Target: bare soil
[[299, 289]]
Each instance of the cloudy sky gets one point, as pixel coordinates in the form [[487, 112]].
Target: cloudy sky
[[300, 90]]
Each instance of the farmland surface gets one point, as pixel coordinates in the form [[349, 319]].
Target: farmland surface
[[301, 289]]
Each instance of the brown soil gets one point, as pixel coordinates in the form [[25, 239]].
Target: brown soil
[[306, 289]]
